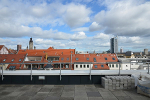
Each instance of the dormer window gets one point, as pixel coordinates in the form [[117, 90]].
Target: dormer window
[[4, 60], [67, 58], [12, 60], [62, 58], [105, 58], [19, 59], [77, 58]]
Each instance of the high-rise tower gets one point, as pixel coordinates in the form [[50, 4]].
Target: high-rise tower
[[31, 44], [114, 45]]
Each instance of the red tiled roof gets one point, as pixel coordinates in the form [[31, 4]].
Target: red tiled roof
[[1, 46], [9, 58]]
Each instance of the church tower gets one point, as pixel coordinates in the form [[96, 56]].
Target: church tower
[[31, 44]]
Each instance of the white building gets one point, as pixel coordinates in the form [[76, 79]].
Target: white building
[[3, 50]]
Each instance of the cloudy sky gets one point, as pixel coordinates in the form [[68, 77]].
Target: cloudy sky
[[86, 25]]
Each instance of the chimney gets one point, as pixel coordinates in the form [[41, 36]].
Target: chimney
[[18, 47], [34, 47]]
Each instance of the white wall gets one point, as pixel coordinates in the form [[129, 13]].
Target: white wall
[[4, 50], [75, 68]]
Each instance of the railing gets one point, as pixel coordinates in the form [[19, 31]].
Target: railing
[[90, 69]]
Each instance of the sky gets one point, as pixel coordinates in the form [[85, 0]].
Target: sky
[[84, 25]]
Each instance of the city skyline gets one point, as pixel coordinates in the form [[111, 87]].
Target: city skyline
[[82, 24]]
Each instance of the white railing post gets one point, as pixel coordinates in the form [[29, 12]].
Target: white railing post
[[60, 71], [90, 72], [148, 68], [31, 72], [2, 72]]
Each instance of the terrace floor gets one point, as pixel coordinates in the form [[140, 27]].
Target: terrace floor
[[66, 92]]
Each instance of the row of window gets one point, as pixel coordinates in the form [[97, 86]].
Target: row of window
[[113, 66], [82, 66], [95, 59], [96, 66], [57, 66], [11, 60]]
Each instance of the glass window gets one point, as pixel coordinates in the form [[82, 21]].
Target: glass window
[[67, 58], [4, 60], [117, 65], [87, 58], [110, 66], [12, 60], [67, 66], [94, 59], [105, 58], [80, 66], [87, 66], [113, 65], [62, 58], [76, 66], [19, 59], [126, 65], [102, 65], [95, 66], [84, 66], [56, 66], [77, 59], [113, 58]]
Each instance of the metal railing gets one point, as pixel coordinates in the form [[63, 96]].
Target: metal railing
[[90, 72]]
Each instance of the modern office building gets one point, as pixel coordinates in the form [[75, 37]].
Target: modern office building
[[114, 45]]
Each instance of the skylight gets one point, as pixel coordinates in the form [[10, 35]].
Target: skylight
[[77, 58], [102, 65], [113, 58], [67, 58], [87, 58], [19, 59], [4, 60], [62, 58], [105, 58], [94, 59], [12, 60]]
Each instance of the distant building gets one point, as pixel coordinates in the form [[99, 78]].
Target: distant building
[[121, 50], [114, 45], [31, 44], [145, 51]]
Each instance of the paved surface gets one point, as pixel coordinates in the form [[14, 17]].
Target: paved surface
[[66, 92]]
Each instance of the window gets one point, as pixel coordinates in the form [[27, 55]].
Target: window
[[62, 58], [87, 58], [113, 65], [19, 59], [80, 66], [94, 59], [113, 58], [76, 66], [126, 65], [77, 59], [84, 66], [87, 66], [105, 58], [4, 60], [67, 58], [116, 65], [12, 60], [67, 66], [110, 66], [102, 65], [95, 66], [56, 66]]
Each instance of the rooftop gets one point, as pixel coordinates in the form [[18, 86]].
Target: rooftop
[[66, 92]]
